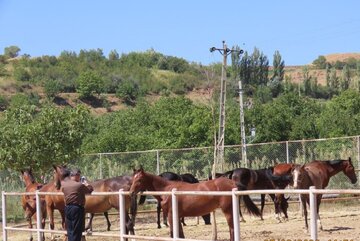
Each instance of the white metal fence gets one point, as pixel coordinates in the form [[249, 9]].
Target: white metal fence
[[312, 192]]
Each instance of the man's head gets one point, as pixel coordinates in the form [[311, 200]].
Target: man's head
[[75, 174]]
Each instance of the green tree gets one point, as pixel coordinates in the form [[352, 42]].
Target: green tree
[[341, 116], [89, 83], [278, 67], [113, 55], [52, 88], [320, 62], [40, 139], [129, 91], [12, 51], [345, 78]]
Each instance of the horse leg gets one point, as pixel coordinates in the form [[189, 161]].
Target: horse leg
[[181, 232], [304, 200], [89, 224], [317, 210], [183, 221], [276, 206], [30, 225], [158, 209], [230, 221], [106, 214], [165, 219], [284, 205], [241, 216], [206, 219], [262, 205], [50, 212]]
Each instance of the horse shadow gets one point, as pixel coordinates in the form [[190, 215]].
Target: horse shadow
[[337, 228]]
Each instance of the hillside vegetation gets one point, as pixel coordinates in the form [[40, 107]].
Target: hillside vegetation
[[55, 108]]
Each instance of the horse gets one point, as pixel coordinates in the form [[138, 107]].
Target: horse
[[188, 205], [98, 204], [318, 173], [249, 179], [53, 202], [29, 201], [171, 176], [282, 177]]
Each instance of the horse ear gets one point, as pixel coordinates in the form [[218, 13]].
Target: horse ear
[[22, 172], [54, 166], [350, 159], [141, 169]]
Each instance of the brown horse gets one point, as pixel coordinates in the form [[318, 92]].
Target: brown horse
[[318, 173], [171, 176], [53, 202], [188, 206], [102, 203], [29, 201]]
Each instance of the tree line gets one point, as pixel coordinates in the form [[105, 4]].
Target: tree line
[[40, 133]]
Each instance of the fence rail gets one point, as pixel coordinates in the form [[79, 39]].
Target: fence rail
[[312, 192]]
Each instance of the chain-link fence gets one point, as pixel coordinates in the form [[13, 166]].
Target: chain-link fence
[[199, 161]]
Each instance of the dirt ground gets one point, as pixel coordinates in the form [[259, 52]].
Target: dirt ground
[[340, 221]]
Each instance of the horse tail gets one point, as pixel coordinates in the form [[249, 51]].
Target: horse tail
[[249, 204], [142, 199], [133, 208]]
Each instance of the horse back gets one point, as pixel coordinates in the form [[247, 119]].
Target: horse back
[[318, 174], [197, 205]]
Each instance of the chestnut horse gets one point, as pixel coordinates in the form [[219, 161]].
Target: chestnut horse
[[171, 176], [98, 204], [29, 201], [318, 173], [53, 202], [188, 205]]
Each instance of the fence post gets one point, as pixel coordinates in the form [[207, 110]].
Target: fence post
[[122, 214], [101, 175], [313, 213], [3, 206], [157, 162], [358, 155], [175, 215], [235, 205], [38, 216], [287, 152]]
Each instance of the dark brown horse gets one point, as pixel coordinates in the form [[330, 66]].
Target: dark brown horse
[[249, 179], [188, 205], [102, 203], [318, 173], [282, 178], [29, 201], [171, 176]]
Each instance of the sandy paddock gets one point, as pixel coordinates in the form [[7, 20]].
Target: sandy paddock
[[341, 221]]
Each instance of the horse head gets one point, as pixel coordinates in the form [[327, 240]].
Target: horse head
[[298, 173], [60, 173], [349, 170], [28, 176]]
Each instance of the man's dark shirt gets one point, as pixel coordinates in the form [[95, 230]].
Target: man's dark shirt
[[74, 192]]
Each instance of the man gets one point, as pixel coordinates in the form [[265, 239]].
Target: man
[[74, 195]]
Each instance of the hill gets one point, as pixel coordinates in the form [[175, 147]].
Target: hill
[[296, 72], [10, 87]]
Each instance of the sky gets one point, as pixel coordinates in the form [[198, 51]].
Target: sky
[[300, 30]]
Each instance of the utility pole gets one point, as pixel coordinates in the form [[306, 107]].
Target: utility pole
[[242, 127], [225, 51]]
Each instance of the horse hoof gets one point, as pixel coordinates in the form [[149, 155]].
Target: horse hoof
[[243, 221], [159, 226]]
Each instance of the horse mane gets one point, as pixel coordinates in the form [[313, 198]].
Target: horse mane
[[334, 162]]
